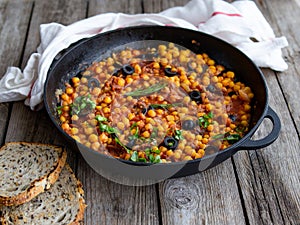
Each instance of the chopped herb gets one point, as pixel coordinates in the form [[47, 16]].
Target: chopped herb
[[178, 135], [58, 108], [111, 130], [204, 121], [82, 104], [154, 133], [156, 159], [106, 128], [146, 91], [100, 118], [121, 144], [134, 156], [135, 135], [147, 151], [218, 136], [151, 158], [133, 125], [240, 129], [150, 155], [142, 160], [231, 138]]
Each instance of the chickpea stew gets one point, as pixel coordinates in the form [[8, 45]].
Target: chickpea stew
[[158, 104]]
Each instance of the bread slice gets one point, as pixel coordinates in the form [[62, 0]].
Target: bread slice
[[28, 169], [63, 203]]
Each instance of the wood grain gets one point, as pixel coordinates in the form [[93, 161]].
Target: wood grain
[[115, 204], [156, 6], [279, 14], [36, 126], [12, 37], [115, 6], [269, 178], [263, 173], [211, 197]]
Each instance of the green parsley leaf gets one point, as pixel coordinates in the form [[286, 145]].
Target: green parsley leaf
[[121, 144], [147, 151], [231, 138], [100, 118], [204, 121], [178, 135], [142, 160], [157, 159], [82, 104], [134, 156], [154, 133], [58, 109]]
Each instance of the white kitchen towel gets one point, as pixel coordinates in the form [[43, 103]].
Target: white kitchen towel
[[238, 23]]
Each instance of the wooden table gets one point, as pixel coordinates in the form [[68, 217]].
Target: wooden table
[[252, 187]]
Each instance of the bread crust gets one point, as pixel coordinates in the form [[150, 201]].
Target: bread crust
[[39, 185], [80, 215], [81, 203]]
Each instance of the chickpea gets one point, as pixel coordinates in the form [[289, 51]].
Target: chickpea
[[151, 113], [93, 138]]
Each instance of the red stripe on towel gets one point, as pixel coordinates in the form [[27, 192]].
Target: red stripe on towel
[[226, 14]]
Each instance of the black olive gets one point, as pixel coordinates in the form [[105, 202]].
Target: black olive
[[231, 93], [211, 88], [196, 96], [144, 111], [131, 143], [188, 125], [170, 143], [79, 74], [169, 72], [150, 107], [128, 69], [232, 118], [116, 73], [93, 82]]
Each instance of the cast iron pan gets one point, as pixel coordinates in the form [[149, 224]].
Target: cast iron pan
[[78, 56]]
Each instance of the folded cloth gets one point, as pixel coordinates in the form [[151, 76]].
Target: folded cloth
[[238, 23]]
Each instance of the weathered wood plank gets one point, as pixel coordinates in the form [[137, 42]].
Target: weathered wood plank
[[282, 17], [12, 37], [269, 177], [26, 125], [156, 6], [64, 12], [13, 31], [115, 6], [115, 204], [210, 197]]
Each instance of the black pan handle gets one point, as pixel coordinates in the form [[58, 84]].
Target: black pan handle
[[270, 138]]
